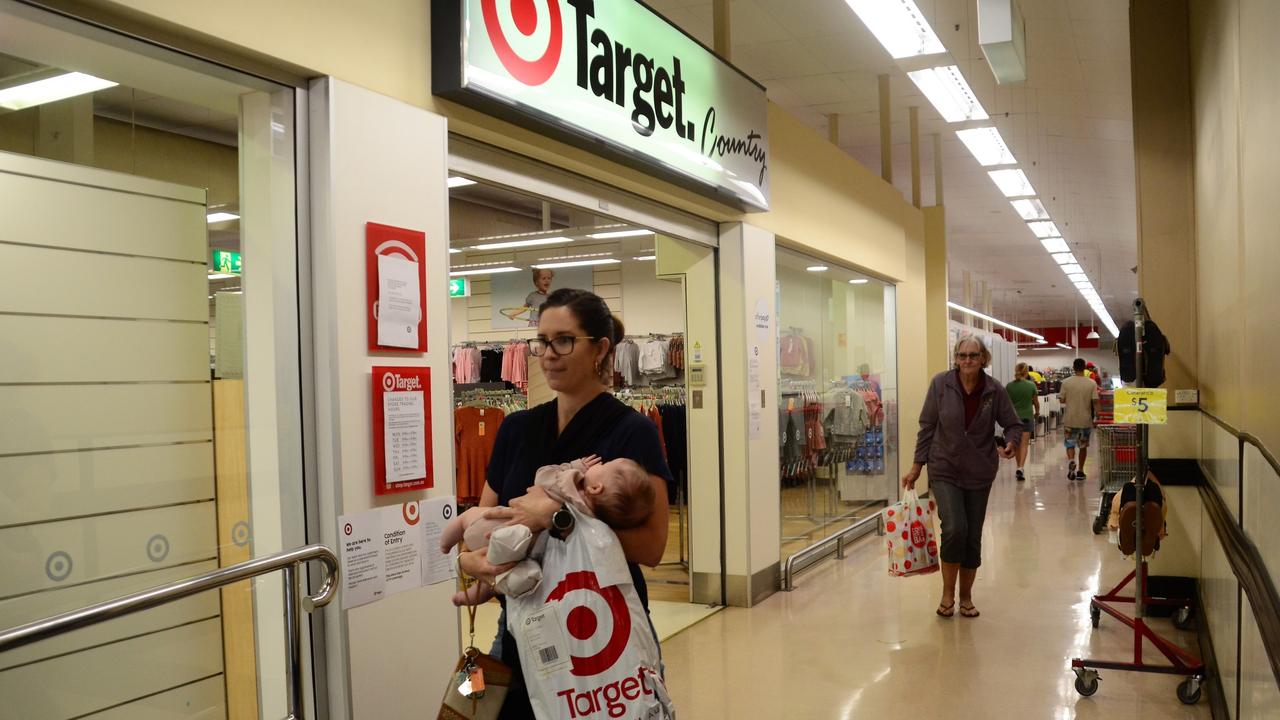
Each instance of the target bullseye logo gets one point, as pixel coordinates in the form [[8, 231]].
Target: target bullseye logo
[[524, 14], [582, 623], [410, 512]]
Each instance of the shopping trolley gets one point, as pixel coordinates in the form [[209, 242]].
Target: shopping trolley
[[1118, 446]]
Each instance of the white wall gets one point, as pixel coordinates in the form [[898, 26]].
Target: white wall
[[650, 305], [375, 159]]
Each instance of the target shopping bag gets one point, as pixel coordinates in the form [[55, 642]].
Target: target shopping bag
[[586, 647], [913, 542]]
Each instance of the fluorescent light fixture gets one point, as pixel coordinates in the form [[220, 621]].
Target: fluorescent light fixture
[[1077, 276], [484, 271], [619, 234], [221, 276], [817, 268], [1064, 346], [1044, 229], [948, 92], [645, 257], [522, 243], [1013, 183], [1030, 209], [1083, 285], [1001, 323], [1055, 245], [51, 89], [217, 217], [576, 263], [1073, 269], [454, 251], [859, 281], [457, 182], [1065, 258], [987, 147], [899, 26]]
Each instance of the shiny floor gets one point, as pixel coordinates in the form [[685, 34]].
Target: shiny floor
[[851, 641]]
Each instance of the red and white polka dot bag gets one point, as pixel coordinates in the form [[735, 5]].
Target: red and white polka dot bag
[[912, 539]]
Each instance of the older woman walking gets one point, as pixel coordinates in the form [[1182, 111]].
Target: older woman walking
[[957, 441]]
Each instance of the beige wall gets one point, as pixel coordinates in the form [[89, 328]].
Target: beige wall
[[1236, 109]]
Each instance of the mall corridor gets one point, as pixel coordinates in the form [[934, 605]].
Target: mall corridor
[[851, 641]]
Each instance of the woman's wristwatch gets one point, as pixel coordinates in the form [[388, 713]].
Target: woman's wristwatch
[[561, 523]]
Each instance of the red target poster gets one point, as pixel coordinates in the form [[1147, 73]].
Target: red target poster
[[401, 429], [396, 282]]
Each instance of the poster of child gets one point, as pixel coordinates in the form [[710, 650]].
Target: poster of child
[[516, 297]]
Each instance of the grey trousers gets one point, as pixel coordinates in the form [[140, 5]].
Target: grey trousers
[[962, 514]]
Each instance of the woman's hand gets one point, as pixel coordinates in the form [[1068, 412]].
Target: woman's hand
[[909, 480], [1008, 451], [476, 564], [533, 510]]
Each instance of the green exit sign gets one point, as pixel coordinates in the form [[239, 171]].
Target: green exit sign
[[225, 261], [459, 287]]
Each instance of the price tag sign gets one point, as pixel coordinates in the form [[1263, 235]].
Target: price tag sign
[[1142, 406]]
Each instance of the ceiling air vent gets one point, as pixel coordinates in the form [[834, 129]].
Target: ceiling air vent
[[1003, 37]]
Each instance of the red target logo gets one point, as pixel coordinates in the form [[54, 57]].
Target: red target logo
[[583, 623], [524, 16], [410, 513]]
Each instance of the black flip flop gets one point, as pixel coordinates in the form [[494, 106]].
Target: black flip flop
[[946, 611]]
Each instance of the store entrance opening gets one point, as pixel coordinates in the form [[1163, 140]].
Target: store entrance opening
[[509, 251]]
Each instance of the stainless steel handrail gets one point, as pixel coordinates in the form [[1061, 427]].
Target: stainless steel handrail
[[826, 546], [294, 602]]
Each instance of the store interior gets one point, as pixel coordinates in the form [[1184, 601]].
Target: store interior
[[837, 400], [508, 250]]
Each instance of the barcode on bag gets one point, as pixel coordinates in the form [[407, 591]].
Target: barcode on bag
[[548, 655]]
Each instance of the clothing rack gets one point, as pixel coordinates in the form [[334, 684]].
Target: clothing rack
[[670, 396], [1181, 662]]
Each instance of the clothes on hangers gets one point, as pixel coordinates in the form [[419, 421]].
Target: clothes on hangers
[[626, 361], [474, 430], [490, 365], [795, 352], [515, 364], [466, 364]]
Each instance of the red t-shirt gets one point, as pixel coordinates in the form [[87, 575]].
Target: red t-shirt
[[972, 401]]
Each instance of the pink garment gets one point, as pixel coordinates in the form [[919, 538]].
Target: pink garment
[[561, 483]]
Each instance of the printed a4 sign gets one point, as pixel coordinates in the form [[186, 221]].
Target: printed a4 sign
[[616, 73]]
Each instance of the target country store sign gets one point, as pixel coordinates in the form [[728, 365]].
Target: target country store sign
[[613, 72]]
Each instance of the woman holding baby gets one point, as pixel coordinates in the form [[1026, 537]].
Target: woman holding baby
[[577, 335]]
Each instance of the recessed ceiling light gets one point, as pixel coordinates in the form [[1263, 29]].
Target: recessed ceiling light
[[1055, 245], [576, 263], [645, 257], [1044, 229], [999, 322], [948, 92], [1065, 258], [457, 182], [1013, 183], [522, 243], [484, 271], [859, 281], [1077, 276], [217, 217], [1030, 209], [987, 147], [817, 268], [619, 234], [1071, 269], [899, 26], [51, 89]]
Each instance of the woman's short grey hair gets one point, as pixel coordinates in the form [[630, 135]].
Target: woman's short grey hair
[[971, 340]]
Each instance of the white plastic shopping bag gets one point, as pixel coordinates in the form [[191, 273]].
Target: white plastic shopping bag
[[586, 648], [913, 542]]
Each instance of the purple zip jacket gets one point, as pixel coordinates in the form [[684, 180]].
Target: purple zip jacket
[[964, 458]]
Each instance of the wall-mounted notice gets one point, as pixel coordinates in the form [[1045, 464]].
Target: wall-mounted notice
[[436, 566], [392, 549], [360, 550], [396, 283], [401, 429]]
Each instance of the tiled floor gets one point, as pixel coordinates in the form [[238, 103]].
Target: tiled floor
[[851, 641]]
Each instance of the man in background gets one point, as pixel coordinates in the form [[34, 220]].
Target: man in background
[[1079, 396]]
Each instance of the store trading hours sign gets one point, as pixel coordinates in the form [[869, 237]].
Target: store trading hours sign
[[616, 72]]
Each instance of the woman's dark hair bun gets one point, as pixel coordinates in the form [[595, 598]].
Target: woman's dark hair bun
[[591, 312]]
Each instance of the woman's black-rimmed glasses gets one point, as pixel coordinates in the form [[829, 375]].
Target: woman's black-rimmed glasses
[[563, 345]]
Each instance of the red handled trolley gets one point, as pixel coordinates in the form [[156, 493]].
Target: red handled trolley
[[1125, 446]]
